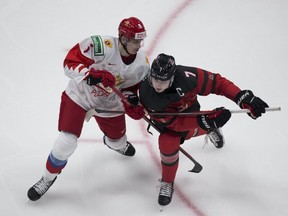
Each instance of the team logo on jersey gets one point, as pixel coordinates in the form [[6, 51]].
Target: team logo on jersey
[[119, 80], [147, 60], [100, 93], [98, 45], [108, 43]]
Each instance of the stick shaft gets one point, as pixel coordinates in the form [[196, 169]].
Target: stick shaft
[[197, 167], [204, 112], [196, 113], [269, 109]]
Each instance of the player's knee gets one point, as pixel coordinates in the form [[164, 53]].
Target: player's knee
[[168, 143], [64, 146]]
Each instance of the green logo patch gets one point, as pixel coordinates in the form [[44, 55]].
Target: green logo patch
[[98, 45]]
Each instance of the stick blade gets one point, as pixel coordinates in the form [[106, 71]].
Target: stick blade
[[196, 169]]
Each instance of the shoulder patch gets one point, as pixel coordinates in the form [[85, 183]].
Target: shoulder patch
[[108, 43], [98, 45]]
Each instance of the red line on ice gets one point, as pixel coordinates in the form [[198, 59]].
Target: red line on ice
[[159, 34]]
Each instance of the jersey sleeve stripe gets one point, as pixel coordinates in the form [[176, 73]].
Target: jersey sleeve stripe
[[204, 84]]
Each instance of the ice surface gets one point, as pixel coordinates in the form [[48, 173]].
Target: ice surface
[[246, 41]]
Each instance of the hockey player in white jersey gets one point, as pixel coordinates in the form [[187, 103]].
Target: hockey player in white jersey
[[94, 65]]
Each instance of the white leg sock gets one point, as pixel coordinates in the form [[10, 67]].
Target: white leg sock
[[116, 143], [63, 148]]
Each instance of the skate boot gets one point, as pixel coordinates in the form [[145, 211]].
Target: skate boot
[[127, 150], [216, 137], [165, 193], [39, 189]]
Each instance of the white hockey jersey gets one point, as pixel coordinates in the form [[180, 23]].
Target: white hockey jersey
[[101, 53]]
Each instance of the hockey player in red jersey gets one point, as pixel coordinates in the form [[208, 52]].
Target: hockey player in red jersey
[[174, 88], [93, 65]]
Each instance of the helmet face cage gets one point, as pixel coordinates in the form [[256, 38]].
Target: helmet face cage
[[132, 28], [163, 67]]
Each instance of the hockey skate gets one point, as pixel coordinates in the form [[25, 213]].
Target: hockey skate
[[216, 137], [127, 150], [165, 193], [39, 189]]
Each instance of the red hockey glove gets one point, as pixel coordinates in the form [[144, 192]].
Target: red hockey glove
[[134, 112], [216, 120], [247, 100], [94, 77]]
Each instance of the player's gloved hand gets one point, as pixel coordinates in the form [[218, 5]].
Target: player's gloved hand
[[132, 98], [215, 120], [134, 112], [94, 77], [247, 100]]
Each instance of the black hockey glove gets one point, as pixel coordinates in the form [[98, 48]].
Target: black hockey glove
[[93, 81], [216, 120], [133, 99], [94, 77], [247, 100]]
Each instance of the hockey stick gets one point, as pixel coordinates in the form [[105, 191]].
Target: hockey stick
[[196, 113], [197, 167], [109, 111], [204, 112]]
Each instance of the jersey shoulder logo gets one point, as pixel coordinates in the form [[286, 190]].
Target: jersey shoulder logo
[[98, 45], [108, 43]]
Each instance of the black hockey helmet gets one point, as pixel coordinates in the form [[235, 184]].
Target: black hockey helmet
[[163, 67]]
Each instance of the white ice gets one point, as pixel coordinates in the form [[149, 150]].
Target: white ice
[[246, 41]]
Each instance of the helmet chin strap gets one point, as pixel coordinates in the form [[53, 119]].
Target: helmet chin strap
[[124, 46]]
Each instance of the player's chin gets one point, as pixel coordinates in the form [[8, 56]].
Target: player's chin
[[135, 51], [159, 90]]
